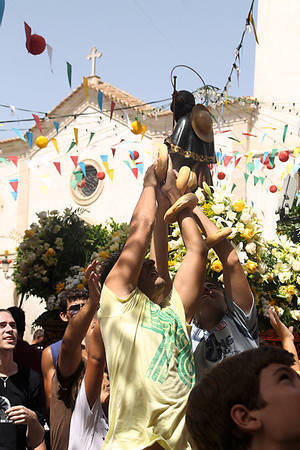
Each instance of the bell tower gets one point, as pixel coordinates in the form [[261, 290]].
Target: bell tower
[[277, 59]]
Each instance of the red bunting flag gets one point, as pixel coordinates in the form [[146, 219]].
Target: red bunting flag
[[57, 165], [113, 150], [14, 184], [135, 172], [112, 107], [236, 160], [14, 159], [227, 160], [249, 134], [75, 160], [37, 121]]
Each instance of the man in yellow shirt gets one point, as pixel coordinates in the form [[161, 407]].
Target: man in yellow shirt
[[147, 344]]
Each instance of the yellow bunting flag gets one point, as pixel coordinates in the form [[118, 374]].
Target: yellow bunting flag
[[289, 167], [253, 25], [296, 151], [144, 131], [282, 175], [110, 173], [249, 156], [105, 164], [76, 135], [54, 142], [86, 87]]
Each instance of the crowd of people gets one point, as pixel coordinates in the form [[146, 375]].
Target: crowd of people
[[150, 362]]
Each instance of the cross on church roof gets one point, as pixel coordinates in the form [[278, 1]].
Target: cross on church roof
[[94, 54]]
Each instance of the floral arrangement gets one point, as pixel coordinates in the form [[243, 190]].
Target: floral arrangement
[[272, 268], [75, 279]]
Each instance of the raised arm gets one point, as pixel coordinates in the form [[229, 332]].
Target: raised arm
[[190, 277], [123, 277], [235, 281], [159, 242], [48, 370], [69, 356], [95, 366]]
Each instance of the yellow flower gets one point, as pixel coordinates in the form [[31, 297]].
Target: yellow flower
[[103, 254], [59, 287], [217, 265], [171, 263], [80, 286], [290, 289], [115, 234], [29, 233], [83, 281], [239, 205], [50, 252], [251, 266], [247, 233]]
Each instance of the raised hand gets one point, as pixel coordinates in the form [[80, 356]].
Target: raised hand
[[281, 330], [93, 279], [150, 177]]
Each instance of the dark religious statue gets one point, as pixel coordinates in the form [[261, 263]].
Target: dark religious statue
[[192, 141]]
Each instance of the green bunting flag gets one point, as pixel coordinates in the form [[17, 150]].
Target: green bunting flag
[[271, 160], [73, 184], [274, 151], [256, 179], [284, 132], [69, 71], [262, 180], [71, 146], [233, 187], [251, 166], [91, 137], [233, 139], [78, 176], [246, 176]]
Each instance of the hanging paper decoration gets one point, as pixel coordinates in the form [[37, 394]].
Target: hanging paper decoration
[[273, 189], [2, 7], [101, 175], [271, 162], [274, 151], [253, 25], [54, 142], [127, 164], [69, 72], [35, 43], [82, 167], [50, 53], [289, 167], [41, 141], [3, 160], [284, 132], [227, 160], [29, 138], [112, 107], [113, 150], [233, 187], [246, 176], [73, 184], [76, 135], [104, 158], [134, 155], [82, 184], [127, 120], [249, 134], [237, 160], [262, 180], [265, 158], [14, 184], [19, 134], [221, 175], [110, 173], [74, 158], [14, 159], [233, 139], [91, 137], [143, 131], [136, 127], [256, 179], [71, 146], [85, 87], [57, 166], [100, 100], [37, 121], [78, 176], [263, 138], [296, 151], [14, 194], [140, 167], [251, 166], [135, 172], [249, 156], [270, 166], [56, 124], [284, 156]]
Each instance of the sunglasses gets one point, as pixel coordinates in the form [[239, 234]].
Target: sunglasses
[[74, 309]]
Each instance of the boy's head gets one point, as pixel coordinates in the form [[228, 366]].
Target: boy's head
[[253, 396], [212, 306], [70, 302]]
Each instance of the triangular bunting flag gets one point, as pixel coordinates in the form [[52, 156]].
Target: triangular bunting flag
[[246, 176], [250, 166], [54, 142], [50, 53], [249, 156], [69, 72], [19, 134], [296, 151], [262, 180], [74, 158], [100, 100], [57, 166], [78, 177], [271, 160], [256, 179], [91, 136], [3, 160], [127, 164], [127, 120], [73, 184], [14, 159], [104, 158], [105, 164], [144, 131], [14, 184], [113, 150], [274, 151], [2, 7], [14, 194], [110, 173], [85, 87], [140, 167], [253, 25], [263, 138], [289, 167], [37, 121], [284, 132], [112, 107], [82, 167], [29, 138], [56, 124], [71, 146], [233, 187], [265, 156], [237, 160], [135, 172], [227, 160], [76, 135], [233, 139]]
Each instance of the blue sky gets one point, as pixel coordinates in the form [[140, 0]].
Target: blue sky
[[140, 40]]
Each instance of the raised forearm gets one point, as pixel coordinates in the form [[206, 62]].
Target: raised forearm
[[289, 345], [78, 326], [190, 233]]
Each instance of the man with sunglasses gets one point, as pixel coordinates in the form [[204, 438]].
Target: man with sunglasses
[[225, 323], [72, 355]]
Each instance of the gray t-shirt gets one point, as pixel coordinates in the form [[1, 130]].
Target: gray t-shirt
[[235, 333]]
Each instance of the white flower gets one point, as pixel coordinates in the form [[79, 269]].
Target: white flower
[[298, 279], [245, 216], [176, 232], [231, 215], [59, 245], [200, 195], [56, 229], [280, 311], [251, 248], [42, 215], [114, 247], [218, 208], [284, 276], [262, 267], [243, 257], [296, 265], [295, 313], [240, 227]]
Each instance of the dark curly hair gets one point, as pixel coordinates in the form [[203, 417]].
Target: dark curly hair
[[235, 380], [70, 295], [107, 265]]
